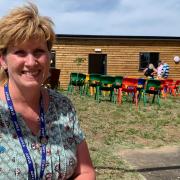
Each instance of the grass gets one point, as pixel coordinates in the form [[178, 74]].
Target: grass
[[111, 127]]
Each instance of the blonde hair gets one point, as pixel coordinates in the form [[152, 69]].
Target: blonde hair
[[151, 66], [22, 24]]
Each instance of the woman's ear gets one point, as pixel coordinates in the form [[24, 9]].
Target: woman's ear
[[3, 62]]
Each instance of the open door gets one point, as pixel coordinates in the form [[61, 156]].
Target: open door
[[97, 63]]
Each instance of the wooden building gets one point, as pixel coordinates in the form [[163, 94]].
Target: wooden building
[[113, 55]]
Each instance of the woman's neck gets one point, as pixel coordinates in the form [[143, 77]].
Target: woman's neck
[[28, 97], [26, 102]]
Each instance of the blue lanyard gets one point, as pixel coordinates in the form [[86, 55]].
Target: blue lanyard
[[43, 137]]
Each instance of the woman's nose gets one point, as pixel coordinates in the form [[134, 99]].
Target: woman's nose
[[31, 60]]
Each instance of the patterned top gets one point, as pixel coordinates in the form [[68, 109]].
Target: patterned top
[[63, 130], [165, 70]]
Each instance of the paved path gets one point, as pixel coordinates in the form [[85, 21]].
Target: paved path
[[155, 164]]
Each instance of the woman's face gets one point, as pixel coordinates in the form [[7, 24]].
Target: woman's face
[[27, 63]]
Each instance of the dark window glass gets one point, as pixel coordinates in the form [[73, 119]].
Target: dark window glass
[[53, 59], [146, 58]]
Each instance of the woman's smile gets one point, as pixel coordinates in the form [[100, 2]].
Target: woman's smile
[[31, 73]]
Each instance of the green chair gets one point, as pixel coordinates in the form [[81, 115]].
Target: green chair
[[117, 84], [94, 80], [106, 84], [76, 80], [118, 81], [152, 87]]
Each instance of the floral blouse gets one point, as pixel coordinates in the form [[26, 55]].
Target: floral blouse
[[63, 130]]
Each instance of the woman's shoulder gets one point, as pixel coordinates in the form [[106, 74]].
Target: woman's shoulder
[[60, 100], [3, 105], [2, 97], [1, 91], [57, 96]]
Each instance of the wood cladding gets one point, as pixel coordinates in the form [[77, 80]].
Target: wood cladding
[[122, 55]]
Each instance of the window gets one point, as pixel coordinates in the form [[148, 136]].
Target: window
[[53, 59], [146, 58]]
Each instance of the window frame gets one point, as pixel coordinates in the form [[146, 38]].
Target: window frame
[[149, 57], [53, 59]]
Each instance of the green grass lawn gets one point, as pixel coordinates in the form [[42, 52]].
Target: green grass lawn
[[111, 127]]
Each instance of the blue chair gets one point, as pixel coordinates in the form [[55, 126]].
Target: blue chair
[[140, 86]]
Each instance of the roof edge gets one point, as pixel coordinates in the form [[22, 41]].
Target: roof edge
[[125, 37]]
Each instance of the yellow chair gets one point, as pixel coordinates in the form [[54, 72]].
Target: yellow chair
[[94, 80]]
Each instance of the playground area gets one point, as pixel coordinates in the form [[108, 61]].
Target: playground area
[[112, 129]]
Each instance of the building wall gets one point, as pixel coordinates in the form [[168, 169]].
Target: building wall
[[122, 55]]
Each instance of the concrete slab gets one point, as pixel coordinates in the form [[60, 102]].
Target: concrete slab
[[155, 164]]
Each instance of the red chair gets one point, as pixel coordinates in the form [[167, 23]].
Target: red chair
[[130, 86], [165, 84], [174, 88], [163, 88]]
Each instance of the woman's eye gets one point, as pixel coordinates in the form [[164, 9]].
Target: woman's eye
[[20, 53], [38, 52]]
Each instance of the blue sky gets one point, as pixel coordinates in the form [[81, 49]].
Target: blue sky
[[108, 17]]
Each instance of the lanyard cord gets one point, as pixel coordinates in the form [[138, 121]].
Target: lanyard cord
[[43, 137]]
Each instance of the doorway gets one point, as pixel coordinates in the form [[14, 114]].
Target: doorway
[[97, 63]]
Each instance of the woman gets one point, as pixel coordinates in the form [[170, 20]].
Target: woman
[[40, 137], [150, 71]]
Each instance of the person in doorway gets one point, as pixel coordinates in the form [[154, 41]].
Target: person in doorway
[[150, 71], [40, 136]]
